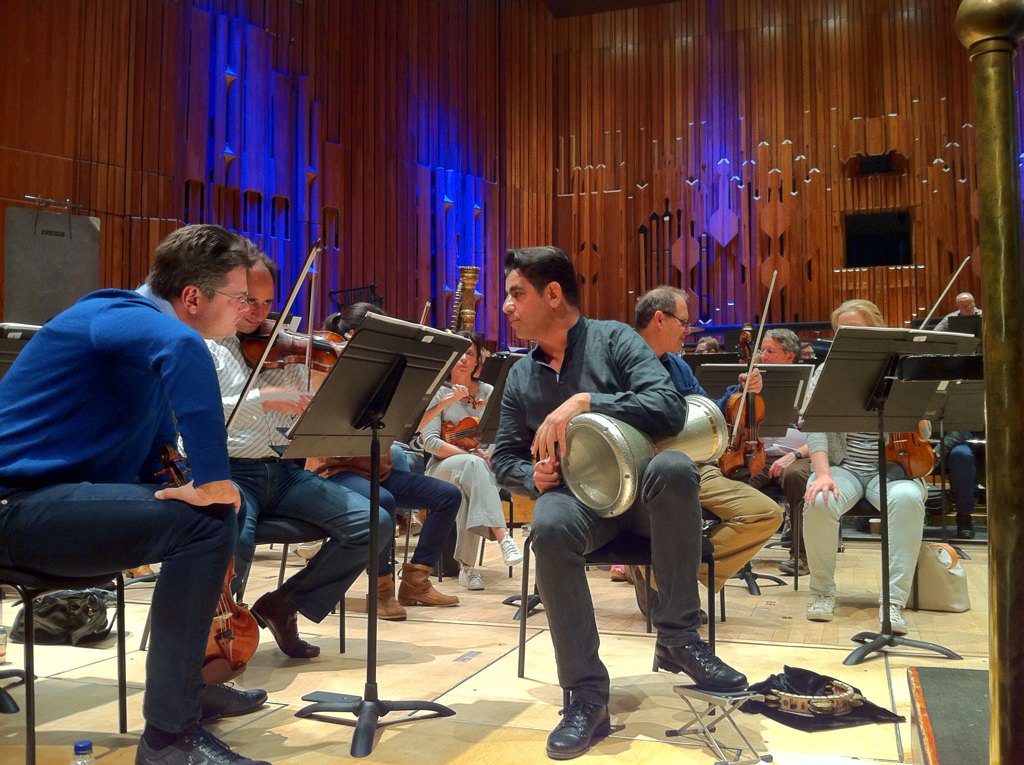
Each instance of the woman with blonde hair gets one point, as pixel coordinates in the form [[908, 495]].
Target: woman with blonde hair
[[844, 469], [466, 462]]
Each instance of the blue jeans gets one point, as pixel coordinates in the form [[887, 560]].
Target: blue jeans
[[88, 529], [564, 531], [282, 489], [409, 491], [963, 477]]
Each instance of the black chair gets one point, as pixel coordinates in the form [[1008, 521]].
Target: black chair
[[626, 549], [289, 531], [30, 586]]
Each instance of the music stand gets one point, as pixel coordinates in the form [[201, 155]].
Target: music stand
[[969, 325], [784, 389], [13, 338], [865, 386], [961, 405], [697, 360], [389, 368], [494, 373]]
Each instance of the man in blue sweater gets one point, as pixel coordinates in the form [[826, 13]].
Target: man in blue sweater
[[583, 365], [747, 517], [84, 411]]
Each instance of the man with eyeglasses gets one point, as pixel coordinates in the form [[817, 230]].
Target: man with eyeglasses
[[272, 487], [748, 517], [84, 412]]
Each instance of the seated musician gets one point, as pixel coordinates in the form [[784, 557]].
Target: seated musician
[[84, 412], [398, 489], [962, 460], [465, 462], [788, 463], [965, 306], [748, 517], [583, 365], [844, 468], [280, 488]]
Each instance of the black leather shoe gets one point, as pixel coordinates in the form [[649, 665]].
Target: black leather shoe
[[696, 659], [196, 747], [582, 726], [273, 612], [226, 701], [964, 527]]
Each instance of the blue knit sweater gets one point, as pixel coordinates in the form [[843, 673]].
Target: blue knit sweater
[[100, 388]]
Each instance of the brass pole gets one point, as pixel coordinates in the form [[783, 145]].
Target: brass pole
[[990, 30]]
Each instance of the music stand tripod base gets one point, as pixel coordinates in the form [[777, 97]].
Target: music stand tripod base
[[367, 715], [709, 711], [876, 641]]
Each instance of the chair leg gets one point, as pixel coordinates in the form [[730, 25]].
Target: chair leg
[[565, 699], [511, 524], [650, 598], [122, 683], [341, 625], [524, 597], [711, 603], [284, 560], [30, 677], [145, 629], [481, 560], [721, 598]]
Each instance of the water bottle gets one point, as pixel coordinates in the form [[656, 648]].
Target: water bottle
[[83, 754]]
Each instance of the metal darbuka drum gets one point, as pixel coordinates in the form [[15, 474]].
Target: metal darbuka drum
[[605, 458]]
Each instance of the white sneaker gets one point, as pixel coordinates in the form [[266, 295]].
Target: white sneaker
[[899, 624], [470, 578], [510, 552], [822, 609]]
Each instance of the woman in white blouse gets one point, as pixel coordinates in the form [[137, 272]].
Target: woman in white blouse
[[465, 462]]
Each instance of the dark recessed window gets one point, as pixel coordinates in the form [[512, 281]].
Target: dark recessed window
[[878, 239]]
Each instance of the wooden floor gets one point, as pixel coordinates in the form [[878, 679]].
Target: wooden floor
[[465, 657]]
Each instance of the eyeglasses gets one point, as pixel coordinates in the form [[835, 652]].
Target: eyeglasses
[[684, 324], [244, 301]]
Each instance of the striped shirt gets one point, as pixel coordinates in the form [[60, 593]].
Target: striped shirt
[[861, 453], [255, 429]]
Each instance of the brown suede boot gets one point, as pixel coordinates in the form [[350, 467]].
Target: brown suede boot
[[387, 607], [416, 589]]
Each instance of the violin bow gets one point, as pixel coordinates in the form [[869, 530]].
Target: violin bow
[[250, 383], [753, 355], [425, 314], [949, 284]]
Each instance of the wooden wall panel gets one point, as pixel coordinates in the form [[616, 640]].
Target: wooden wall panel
[[702, 142], [730, 127], [288, 120]]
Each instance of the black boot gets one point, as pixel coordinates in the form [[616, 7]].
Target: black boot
[[696, 659], [964, 527], [582, 726]]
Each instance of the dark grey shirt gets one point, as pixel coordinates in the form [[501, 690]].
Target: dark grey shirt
[[606, 359]]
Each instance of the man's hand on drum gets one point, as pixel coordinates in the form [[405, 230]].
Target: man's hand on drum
[[547, 474], [551, 433]]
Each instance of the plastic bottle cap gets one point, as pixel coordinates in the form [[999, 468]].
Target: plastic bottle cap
[[83, 747]]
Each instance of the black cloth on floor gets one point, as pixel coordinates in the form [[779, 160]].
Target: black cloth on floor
[[803, 682]]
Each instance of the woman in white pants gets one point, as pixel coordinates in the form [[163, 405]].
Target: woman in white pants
[[465, 463], [844, 468]]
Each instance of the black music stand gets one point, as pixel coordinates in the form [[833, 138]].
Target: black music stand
[[960, 404], [866, 384], [697, 360], [784, 390], [13, 337], [389, 368]]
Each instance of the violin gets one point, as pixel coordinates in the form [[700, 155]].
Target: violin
[[915, 455], [460, 433], [744, 412], [234, 633], [291, 348]]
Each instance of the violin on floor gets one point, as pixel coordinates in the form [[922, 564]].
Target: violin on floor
[[234, 634]]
